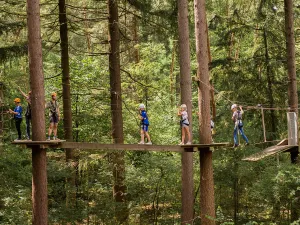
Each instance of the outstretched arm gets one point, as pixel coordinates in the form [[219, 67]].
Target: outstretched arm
[[241, 109], [12, 112], [25, 96]]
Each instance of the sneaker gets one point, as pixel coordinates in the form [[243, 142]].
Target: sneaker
[[18, 139], [235, 145], [188, 143], [141, 143], [149, 143], [48, 139], [181, 143], [247, 143], [56, 138]]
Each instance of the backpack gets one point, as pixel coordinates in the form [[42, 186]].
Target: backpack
[[184, 121], [53, 108], [239, 119]]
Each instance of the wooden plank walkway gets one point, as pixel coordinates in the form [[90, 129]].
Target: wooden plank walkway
[[282, 146], [128, 147]]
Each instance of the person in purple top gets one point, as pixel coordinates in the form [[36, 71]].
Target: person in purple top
[[17, 112], [144, 125]]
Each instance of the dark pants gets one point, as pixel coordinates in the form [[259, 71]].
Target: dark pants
[[18, 126], [28, 121]]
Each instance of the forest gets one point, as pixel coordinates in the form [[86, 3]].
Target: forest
[[103, 58]]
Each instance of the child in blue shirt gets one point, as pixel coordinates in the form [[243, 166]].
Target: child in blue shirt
[[144, 125], [17, 116]]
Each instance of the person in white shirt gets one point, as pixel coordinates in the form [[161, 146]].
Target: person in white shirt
[[184, 124]]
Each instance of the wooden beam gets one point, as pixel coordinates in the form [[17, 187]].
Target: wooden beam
[[128, 147]]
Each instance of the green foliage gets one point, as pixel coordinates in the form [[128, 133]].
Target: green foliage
[[250, 193]]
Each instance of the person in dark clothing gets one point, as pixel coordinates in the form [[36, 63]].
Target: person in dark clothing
[[28, 112], [17, 116], [54, 116]]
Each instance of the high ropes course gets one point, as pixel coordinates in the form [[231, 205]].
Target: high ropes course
[[287, 145]]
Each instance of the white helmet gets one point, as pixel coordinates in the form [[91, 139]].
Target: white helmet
[[141, 106], [183, 106], [233, 106]]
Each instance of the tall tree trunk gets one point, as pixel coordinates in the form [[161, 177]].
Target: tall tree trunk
[[86, 24], [116, 111], [206, 169], [67, 108], [2, 112], [187, 195], [212, 90], [270, 83], [136, 38], [290, 47], [235, 190], [292, 87], [171, 74], [64, 45], [39, 160]]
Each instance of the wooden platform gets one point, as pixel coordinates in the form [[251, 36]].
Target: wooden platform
[[42, 144], [280, 147], [128, 147]]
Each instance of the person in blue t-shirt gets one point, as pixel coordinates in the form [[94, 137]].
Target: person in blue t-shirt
[[17, 116], [144, 125]]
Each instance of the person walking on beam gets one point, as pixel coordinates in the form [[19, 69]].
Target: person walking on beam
[[238, 124]]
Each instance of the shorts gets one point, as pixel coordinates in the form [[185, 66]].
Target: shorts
[[54, 119], [144, 127]]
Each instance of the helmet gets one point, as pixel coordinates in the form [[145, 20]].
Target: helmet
[[141, 106], [233, 106], [183, 106], [17, 100], [53, 94]]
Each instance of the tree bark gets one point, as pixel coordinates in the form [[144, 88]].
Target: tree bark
[[39, 160], [136, 38], [290, 47], [2, 112], [64, 45], [270, 83], [171, 74], [187, 190], [67, 108], [116, 110], [292, 86], [291, 65], [207, 205]]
